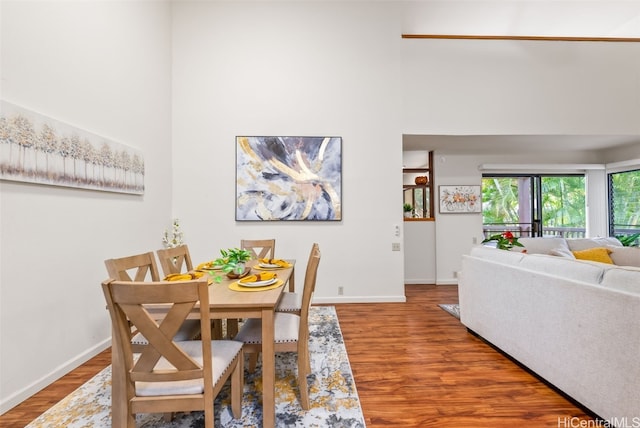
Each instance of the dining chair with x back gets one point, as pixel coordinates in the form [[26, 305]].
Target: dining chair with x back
[[143, 267], [175, 260], [178, 260], [259, 248], [170, 376]]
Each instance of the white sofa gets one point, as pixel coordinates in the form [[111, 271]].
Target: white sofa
[[574, 323]]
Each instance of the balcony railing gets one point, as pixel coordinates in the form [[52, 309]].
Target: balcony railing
[[524, 230]]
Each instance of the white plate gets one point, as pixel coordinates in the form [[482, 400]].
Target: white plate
[[268, 266], [258, 283], [212, 268]]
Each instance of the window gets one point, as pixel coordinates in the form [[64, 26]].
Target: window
[[534, 205], [624, 203]]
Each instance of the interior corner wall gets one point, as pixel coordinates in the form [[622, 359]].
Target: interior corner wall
[[293, 69], [103, 67]]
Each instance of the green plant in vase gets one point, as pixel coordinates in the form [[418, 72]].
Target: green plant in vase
[[407, 210], [232, 262]]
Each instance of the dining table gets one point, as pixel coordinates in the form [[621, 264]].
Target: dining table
[[226, 301]]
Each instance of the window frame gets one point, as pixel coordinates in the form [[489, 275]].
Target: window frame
[[536, 227]]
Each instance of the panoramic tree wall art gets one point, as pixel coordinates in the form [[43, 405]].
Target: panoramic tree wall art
[[38, 149], [288, 178]]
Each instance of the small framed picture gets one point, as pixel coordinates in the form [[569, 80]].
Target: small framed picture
[[459, 199]]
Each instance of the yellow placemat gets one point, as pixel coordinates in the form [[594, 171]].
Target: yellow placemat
[[237, 287]]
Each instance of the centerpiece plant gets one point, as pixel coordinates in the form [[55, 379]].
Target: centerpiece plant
[[232, 261]]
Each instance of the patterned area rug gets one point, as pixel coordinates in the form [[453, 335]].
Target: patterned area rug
[[334, 399], [452, 308]]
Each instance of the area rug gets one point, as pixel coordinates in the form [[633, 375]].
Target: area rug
[[452, 308], [334, 399]]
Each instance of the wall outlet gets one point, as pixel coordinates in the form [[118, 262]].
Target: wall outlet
[[395, 246], [474, 241], [340, 291]]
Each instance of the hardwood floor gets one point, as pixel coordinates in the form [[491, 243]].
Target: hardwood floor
[[417, 366], [414, 366]]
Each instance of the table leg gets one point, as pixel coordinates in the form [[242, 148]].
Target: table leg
[[268, 370], [292, 280]]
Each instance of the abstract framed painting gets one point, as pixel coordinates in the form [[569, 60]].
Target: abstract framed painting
[[288, 178]]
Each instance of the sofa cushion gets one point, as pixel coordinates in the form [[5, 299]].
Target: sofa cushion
[[543, 245], [596, 254], [578, 244], [499, 256], [576, 270], [562, 252], [625, 256], [625, 279]]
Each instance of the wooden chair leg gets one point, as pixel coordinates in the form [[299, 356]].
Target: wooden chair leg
[[304, 369], [253, 362], [237, 387], [208, 413]]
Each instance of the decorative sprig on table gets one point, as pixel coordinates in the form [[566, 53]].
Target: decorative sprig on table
[[173, 239]]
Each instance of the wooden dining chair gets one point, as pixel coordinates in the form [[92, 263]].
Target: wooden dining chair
[[138, 267], [175, 260], [178, 260], [142, 267], [291, 330], [266, 249], [171, 376], [259, 248]]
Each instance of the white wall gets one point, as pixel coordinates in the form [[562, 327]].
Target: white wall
[[467, 87], [258, 68], [103, 67], [293, 68]]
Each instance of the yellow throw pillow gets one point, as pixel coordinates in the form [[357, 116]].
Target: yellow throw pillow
[[596, 254]]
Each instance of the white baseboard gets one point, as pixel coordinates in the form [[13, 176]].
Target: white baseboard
[[420, 281], [18, 397], [452, 281], [360, 299]]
